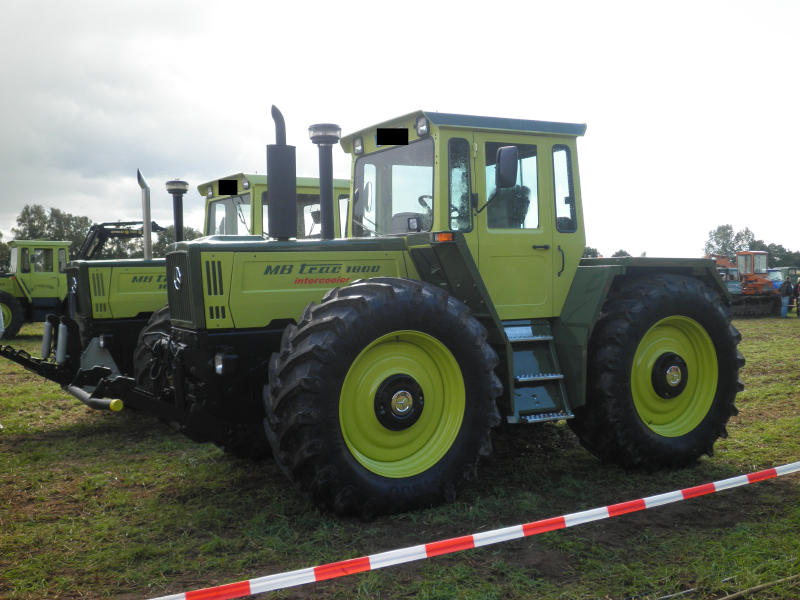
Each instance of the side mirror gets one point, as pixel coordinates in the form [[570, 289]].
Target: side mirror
[[506, 163]]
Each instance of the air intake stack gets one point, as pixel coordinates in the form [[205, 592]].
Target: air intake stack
[[325, 135], [281, 184], [177, 188]]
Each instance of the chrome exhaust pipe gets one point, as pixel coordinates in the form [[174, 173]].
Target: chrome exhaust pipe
[[146, 223]]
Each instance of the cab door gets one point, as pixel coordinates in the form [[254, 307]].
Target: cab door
[[515, 238], [39, 273]]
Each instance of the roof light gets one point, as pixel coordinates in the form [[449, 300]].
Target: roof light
[[358, 146], [422, 126], [209, 191], [245, 183]]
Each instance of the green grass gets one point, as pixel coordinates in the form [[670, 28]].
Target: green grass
[[98, 505]]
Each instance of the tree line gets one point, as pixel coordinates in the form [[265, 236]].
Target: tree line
[[35, 222], [723, 241]]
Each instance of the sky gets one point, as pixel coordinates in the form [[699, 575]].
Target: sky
[[691, 107]]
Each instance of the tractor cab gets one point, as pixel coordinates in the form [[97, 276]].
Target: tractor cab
[[236, 205], [438, 172], [752, 265], [35, 285], [38, 266]]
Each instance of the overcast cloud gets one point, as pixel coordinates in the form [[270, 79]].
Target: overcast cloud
[[691, 107]]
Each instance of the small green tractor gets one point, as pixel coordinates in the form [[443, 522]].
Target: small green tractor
[[36, 284], [375, 367]]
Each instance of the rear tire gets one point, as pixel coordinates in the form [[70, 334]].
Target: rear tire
[[663, 374], [382, 398], [153, 374], [149, 369], [13, 315]]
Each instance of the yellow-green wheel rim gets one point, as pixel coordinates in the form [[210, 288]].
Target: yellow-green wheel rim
[[677, 416], [6, 310], [417, 448]]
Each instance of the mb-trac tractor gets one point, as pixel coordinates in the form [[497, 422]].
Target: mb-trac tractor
[[35, 284], [111, 300], [380, 363]]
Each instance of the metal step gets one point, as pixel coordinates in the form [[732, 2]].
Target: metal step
[[550, 416], [538, 377], [527, 333]]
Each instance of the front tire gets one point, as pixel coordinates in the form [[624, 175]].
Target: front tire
[[13, 315], [663, 374], [382, 398]]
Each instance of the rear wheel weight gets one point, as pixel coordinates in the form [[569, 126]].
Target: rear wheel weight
[[663, 373], [382, 397]]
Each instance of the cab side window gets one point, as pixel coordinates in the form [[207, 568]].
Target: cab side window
[[62, 260], [42, 260], [459, 181], [566, 218], [343, 201], [516, 207], [25, 263]]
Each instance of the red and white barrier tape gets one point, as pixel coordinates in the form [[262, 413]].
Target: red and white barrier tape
[[449, 546]]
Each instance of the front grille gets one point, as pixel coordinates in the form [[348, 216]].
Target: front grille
[[98, 288], [214, 277], [180, 304], [73, 291]]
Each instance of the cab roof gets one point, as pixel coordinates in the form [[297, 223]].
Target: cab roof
[[262, 180], [473, 122], [43, 243]]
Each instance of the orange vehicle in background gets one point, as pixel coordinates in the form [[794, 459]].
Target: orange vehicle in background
[[759, 297]]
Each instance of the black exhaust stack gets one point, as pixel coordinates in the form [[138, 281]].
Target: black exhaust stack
[[281, 184], [177, 188], [325, 135]]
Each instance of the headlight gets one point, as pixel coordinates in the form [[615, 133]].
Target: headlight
[[422, 126]]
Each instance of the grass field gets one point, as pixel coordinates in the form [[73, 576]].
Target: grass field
[[99, 505]]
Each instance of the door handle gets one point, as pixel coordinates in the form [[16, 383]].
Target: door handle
[[563, 260], [541, 246]]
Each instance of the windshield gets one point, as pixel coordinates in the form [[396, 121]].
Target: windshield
[[760, 263], [775, 275], [393, 190], [229, 216]]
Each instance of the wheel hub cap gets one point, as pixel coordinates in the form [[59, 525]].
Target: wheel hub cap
[[670, 375], [399, 402], [674, 376], [402, 403]]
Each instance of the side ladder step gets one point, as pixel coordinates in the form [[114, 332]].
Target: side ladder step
[[538, 377]]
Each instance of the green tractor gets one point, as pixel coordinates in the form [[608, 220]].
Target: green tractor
[[35, 285], [94, 330], [379, 364]]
